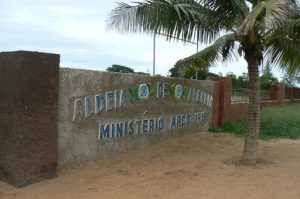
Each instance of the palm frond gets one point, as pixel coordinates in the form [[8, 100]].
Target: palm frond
[[292, 26], [229, 8], [285, 54], [182, 19], [270, 14], [221, 50], [227, 12], [289, 30]]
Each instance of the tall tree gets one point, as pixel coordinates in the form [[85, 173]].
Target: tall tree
[[261, 29]]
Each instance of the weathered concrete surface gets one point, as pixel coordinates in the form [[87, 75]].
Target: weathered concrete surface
[[28, 116], [222, 95], [78, 140]]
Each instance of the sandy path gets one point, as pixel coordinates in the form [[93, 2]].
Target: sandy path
[[195, 166]]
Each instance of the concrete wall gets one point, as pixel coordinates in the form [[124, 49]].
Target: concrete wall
[[225, 111], [127, 120], [238, 110]]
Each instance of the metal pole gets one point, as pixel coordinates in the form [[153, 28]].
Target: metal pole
[[154, 38], [197, 52]]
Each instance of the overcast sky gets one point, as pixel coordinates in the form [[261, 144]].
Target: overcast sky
[[75, 29]]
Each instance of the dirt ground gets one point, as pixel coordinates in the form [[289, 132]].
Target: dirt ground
[[203, 165]]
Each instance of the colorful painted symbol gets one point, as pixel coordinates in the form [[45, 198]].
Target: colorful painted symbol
[[178, 91], [143, 91]]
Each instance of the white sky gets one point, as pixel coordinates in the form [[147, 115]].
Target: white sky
[[76, 30]]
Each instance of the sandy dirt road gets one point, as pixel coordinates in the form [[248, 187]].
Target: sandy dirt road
[[202, 165]]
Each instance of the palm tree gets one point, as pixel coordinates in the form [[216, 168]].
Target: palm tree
[[258, 30]]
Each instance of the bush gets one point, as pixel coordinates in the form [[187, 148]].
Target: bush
[[276, 122]]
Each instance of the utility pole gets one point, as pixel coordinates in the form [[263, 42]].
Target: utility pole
[[197, 52], [154, 38]]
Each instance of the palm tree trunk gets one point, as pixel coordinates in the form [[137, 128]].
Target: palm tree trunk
[[250, 147]]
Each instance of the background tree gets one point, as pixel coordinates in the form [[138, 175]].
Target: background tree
[[120, 69], [243, 80], [174, 71], [239, 82], [123, 69], [233, 77], [202, 73], [254, 29], [267, 78]]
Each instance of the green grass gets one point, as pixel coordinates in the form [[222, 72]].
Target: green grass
[[276, 122]]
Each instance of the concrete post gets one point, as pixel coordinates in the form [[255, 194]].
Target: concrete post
[[222, 100], [28, 116], [215, 109]]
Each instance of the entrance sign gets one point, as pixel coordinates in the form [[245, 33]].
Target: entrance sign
[[105, 113]]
